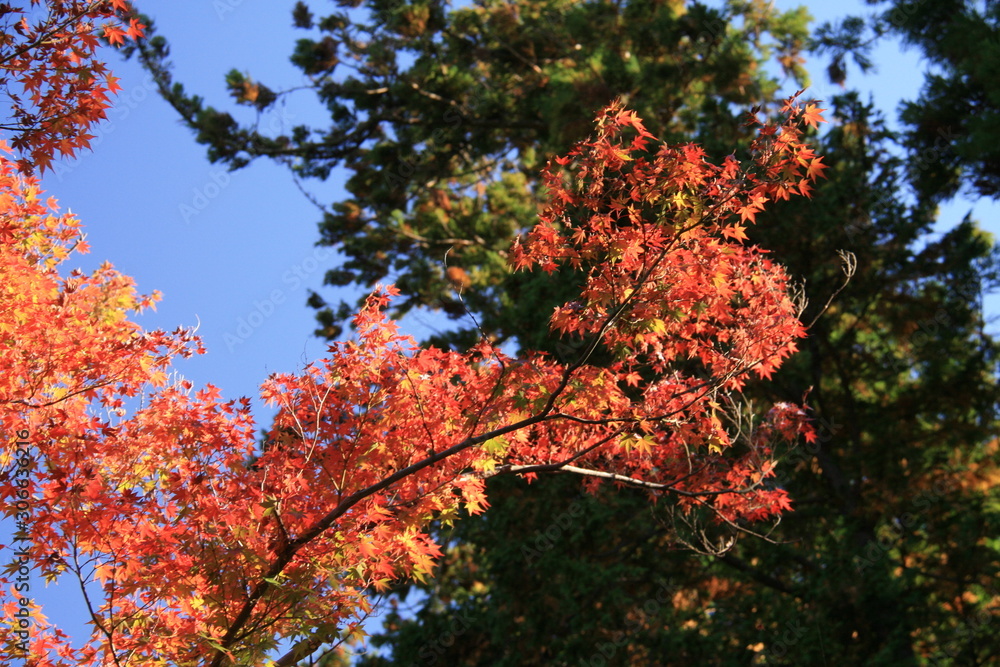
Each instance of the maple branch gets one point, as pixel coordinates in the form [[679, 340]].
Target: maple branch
[[849, 266], [498, 385], [420, 409], [235, 631], [114, 378], [304, 649], [583, 452], [741, 565], [643, 279], [44, 36], [36, 406], [624, 479], [78, 571], [706, 545]]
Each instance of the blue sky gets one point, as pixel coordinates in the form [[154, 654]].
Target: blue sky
[[234, 252]]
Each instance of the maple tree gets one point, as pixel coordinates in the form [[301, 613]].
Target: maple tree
[[194, 546], [56, 85]]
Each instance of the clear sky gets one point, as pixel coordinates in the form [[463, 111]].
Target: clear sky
[[234, 252]]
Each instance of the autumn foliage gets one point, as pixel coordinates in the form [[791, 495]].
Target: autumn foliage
[[197, 545], [55, 83]]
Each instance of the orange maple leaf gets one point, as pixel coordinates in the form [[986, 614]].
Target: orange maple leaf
[[812, 115]]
